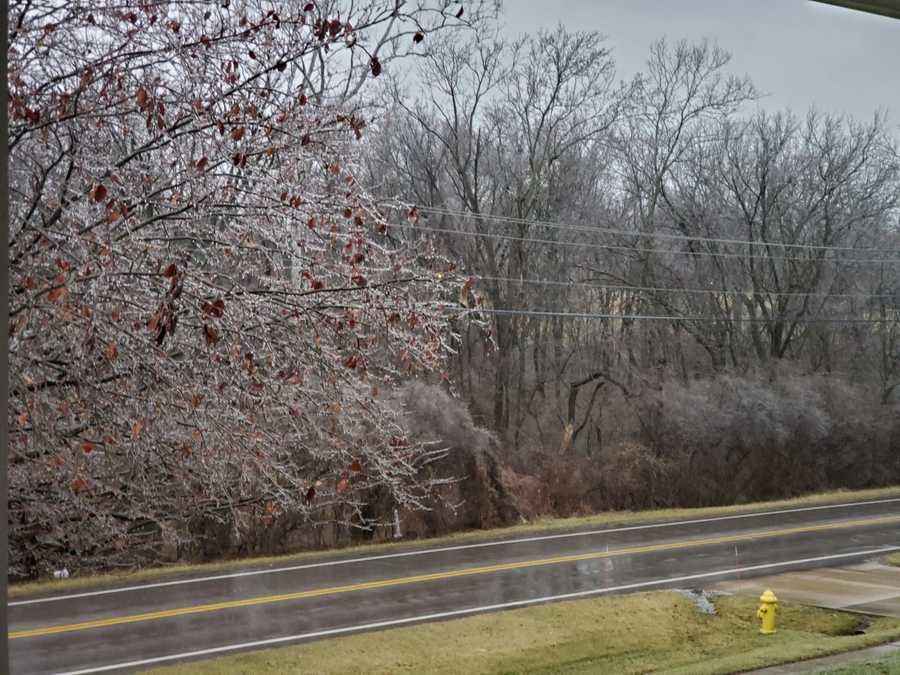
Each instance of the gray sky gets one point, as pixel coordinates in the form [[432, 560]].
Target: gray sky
[[801, 53]]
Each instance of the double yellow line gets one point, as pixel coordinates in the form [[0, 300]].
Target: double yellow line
[[420, 578]]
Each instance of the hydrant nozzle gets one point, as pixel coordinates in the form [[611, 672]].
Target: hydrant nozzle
[[766, 612]]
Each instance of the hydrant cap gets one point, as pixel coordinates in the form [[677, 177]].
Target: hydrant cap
[[768, 597]]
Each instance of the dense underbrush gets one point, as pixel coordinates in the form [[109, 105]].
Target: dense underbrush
[[717, 441]]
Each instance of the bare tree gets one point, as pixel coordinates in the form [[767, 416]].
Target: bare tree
[[822, 183], [685, 88], [513, 130]]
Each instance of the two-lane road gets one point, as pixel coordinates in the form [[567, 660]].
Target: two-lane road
[[125, 628]]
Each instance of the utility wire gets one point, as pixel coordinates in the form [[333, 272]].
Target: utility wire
[[504, 311], [512, 220], [636, 249], [656, 289]]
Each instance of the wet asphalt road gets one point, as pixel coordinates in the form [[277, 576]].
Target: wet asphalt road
[[140, 627]]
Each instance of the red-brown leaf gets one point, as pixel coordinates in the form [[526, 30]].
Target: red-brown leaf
[[215, 309], [237, 133], [78, 485], [98, 194], [87, 447], [212, 335], [375, 66], [58, 294]]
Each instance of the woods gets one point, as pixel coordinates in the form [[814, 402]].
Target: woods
[[693, 299], [242, 232], [704, 237]]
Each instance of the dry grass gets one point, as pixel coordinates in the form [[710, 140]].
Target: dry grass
[[889, 665], [610, 518], [646, 632]]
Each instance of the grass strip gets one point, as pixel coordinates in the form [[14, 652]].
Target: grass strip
[[644, 632]]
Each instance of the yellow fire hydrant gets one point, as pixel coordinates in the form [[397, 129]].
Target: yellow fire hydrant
[[766, 612]]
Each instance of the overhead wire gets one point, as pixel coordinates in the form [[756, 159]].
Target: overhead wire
[[506, 311], [635, 249], [513, 220], [657, 289]]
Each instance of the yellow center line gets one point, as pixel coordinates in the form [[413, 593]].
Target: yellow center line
[[452, 574]]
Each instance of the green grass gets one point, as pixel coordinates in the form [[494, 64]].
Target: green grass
[[893, 559], [889, 665], [609, 518], [645, 632]]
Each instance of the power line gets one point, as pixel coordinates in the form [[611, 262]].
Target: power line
[[504, 311], [635, 249], [513, 220], [656, 289]]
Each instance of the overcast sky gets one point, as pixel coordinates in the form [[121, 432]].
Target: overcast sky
[[800, 53]]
